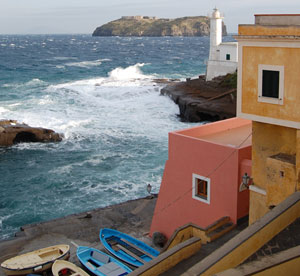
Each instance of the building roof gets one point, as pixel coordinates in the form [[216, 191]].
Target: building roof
[[234, 133]]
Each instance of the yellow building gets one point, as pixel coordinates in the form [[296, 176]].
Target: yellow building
[[269, 95]]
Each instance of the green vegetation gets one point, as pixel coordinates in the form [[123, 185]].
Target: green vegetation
[[230, 81], [185, 26]]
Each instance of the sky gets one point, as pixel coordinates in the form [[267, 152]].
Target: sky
[[83, 16]]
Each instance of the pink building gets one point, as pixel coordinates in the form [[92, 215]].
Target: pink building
[[203, 174]]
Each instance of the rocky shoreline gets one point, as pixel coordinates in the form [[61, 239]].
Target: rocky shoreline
[[201, 100]]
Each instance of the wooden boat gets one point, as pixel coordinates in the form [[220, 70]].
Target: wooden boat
[[64, 268], [36, 261], [127, 248], [100, 263]]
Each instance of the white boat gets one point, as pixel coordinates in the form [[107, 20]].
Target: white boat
[[64, 268], [36, 261]]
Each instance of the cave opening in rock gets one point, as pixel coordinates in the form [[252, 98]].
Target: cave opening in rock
[[25, 136]]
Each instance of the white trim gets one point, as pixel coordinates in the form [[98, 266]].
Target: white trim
[[240, 79], [276, 68], [258, 190], [269, 43], [207, 201], [269, 120]]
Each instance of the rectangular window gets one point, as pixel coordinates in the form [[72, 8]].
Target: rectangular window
[[201, 188], [227, 56], [270, 84]]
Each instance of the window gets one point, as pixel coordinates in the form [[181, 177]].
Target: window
[[201, 188], [270, 84], [227, 56]]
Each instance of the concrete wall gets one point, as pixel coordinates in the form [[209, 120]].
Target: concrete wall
[[168, 259], [229, 48], [277, 19]]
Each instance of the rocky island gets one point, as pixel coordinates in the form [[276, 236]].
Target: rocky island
[[152, 26]]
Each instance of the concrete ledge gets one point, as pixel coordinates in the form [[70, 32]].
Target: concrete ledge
[[258, 190], [170, 258]]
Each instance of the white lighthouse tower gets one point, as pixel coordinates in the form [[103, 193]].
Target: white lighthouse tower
[[222, 56], [215, 34]]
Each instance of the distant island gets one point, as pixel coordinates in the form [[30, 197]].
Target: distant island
[[153, 26]]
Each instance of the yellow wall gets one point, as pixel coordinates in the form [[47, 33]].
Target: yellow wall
[[287, 57], [258, 206], [269, 140]]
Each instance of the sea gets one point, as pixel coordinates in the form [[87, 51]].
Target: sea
[[101, 94]]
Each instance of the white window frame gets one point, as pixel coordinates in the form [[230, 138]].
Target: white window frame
[[270, 100], [196, 176]]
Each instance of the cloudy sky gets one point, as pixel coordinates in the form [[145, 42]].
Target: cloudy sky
[[83, 16]]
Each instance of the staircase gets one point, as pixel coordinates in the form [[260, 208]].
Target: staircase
[[218, 229], [208, 234]]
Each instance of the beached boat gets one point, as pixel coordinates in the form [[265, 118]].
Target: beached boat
[[64, 268], [36, 261], [99, 263], [127, 248]]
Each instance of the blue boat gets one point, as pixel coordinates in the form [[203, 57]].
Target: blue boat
[[99, 263], [127, 248]]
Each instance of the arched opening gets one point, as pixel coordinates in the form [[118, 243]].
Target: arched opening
[[25, 137]]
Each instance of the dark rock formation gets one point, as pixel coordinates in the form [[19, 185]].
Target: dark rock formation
[[146, 26], [199, 100], [159, 239], [12, 132]]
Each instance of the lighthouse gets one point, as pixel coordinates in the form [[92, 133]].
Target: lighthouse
[[215, 34], [222, 56]]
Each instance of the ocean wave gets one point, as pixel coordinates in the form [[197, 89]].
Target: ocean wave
[[63, 58], [32, 83], [3, 110], [35, 82], [128, 73], [131, 76], [85, 64]]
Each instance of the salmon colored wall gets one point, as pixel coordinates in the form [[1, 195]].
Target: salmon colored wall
[[175, 205]]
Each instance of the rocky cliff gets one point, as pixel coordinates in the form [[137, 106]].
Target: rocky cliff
[[201, 100], [146, 26]]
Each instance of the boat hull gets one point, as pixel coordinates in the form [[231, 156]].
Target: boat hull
[[67, 269], [100, 264], [127, 248], [36, 261]]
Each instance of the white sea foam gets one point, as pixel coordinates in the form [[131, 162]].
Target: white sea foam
[[35, 82], [129, 73], [85, 64], [3, 110], [63, 58]]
